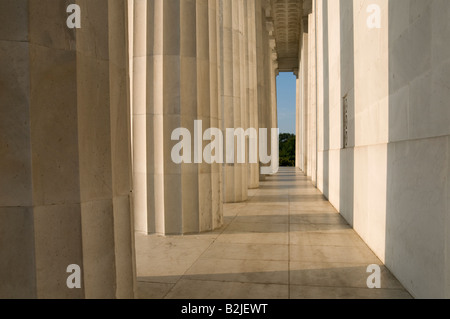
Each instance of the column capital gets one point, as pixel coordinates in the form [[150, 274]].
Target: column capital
[[272, 42], [270, 26], [276, 69], [267, 5], [274, 55]]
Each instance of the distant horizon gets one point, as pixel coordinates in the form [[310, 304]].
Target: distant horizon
[[286, 102]]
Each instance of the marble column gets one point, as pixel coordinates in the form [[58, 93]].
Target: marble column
[[215, 114], [139, 113], [312, 97], [208, 110], [235, 174], [179, 92], [267, 111], [66, 176], [253, 168], [260, 70], [243, 49], [298, 122], [304, 91], [17, 251], [273, 84], [302, 99]]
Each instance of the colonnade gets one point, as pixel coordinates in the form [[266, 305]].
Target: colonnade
[[87, 119], [208, 60], [87, 116]]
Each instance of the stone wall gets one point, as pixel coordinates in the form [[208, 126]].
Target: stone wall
[[390, 181], [418, 153]]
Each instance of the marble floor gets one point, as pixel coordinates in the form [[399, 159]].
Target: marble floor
[[286, 242]]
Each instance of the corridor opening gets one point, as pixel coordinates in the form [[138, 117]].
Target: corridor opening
[[286, 116]]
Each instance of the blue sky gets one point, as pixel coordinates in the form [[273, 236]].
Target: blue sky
[[286, 88]]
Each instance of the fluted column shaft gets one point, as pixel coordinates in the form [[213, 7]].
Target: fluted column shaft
[[235, 174], [302, 99], [215, 113], [139, 113], [312, 98], [304, 74], [243, 50], [66, 120], [253, 168], [181, 88]]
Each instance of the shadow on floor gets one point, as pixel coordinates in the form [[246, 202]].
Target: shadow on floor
[[283, 243], [302, 281]]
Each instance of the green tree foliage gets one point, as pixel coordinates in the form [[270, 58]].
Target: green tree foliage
[[287, 149]]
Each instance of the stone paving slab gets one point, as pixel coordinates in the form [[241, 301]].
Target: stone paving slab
[[286, 241]]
